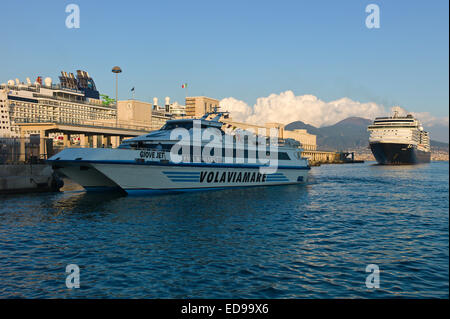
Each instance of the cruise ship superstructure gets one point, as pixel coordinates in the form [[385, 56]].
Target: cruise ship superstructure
[[74, 100], [399, 139], [146, 163]]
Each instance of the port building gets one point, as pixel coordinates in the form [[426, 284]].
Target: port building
[[197, 106], [72, 113]]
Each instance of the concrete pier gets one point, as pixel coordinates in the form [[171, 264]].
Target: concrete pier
[[316, 158], [23, 178]]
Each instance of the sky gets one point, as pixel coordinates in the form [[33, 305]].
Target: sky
[[241, 51]]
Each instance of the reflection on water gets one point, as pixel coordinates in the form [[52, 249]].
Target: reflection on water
[[80, 202], [266, 242], [405, 169]]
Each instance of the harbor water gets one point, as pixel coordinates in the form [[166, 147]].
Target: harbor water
[[298, 241]]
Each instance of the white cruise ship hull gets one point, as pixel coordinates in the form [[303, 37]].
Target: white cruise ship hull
[[95, 170]]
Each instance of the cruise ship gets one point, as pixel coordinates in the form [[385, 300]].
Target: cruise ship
[[399, 139], [75, 100], [177, 158]]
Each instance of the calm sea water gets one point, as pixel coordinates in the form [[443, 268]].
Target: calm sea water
[[311, 241]]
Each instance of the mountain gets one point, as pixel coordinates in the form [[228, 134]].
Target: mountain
[[348, 134], [299, 125], [439, 146], [438, 132]]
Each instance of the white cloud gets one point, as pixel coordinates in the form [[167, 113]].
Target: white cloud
[[287, 107], [429, 120]]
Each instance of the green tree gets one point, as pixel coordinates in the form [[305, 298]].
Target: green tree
[[106, 100]]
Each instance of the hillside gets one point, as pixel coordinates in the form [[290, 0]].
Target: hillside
[[347, 134]]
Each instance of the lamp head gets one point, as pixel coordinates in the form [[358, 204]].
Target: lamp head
[[116, 69]]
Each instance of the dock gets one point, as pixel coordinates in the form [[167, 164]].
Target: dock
[[25, 178], [23, 168], [316, 158]]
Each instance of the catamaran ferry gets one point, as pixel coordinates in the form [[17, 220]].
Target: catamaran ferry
[[162, 161]]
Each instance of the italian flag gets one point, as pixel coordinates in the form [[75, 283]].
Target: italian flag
[[183, 86]]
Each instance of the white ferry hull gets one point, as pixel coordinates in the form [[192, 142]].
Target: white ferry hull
[[156, 176], [87, 176], [145, 178]]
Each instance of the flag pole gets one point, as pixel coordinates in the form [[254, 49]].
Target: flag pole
[[184, 85]]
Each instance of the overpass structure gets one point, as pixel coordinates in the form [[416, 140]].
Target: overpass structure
[[91, 134]]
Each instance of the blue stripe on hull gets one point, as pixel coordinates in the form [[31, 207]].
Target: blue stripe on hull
[[146, 191], [180, 173]]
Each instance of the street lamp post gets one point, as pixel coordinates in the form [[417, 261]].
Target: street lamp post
[[117, 70]]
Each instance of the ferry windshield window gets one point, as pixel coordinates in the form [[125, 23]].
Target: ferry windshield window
[[172, 126], [283, 156]]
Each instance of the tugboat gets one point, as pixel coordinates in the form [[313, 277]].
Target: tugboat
[[399, 140]]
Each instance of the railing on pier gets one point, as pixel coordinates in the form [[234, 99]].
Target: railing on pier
[[87, 123], [26, 150]]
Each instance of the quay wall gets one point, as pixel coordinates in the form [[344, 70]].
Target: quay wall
[[316, 158], [22, 178]]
